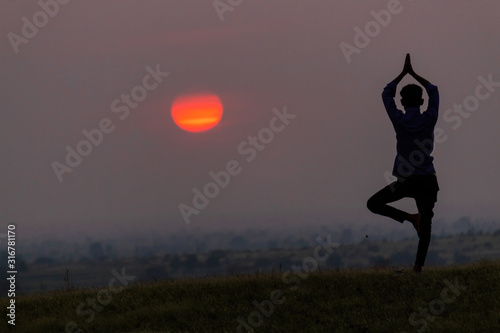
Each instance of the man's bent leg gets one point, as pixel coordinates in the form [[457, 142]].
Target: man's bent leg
[[378, 202]]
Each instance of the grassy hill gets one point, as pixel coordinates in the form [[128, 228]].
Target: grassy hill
[[442, 299]]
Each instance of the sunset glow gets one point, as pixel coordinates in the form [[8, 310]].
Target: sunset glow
[[197, 113]]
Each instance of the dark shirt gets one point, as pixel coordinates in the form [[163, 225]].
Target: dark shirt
[[414, 133]]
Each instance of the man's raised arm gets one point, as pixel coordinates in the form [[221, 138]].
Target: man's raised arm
[[390, 91], [419, 79], [406, 69], [431, 90]]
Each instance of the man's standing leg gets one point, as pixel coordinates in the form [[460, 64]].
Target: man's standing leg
[[425, 208], [426, 189]]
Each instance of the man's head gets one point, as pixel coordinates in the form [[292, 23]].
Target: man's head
[[411, 96]]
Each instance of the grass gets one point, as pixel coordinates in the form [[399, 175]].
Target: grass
[[372, 300]]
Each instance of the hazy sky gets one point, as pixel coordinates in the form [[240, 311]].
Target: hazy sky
[[330, 158]]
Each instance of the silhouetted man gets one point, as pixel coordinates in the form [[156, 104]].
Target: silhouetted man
[[413, 167]]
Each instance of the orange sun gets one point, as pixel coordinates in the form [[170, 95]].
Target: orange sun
[[197, 113]]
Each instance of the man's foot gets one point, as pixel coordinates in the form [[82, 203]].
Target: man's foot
[[417, 269], [415, 220]]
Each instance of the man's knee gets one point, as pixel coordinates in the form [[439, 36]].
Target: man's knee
[[373, 205], [426, 216], [426, 224]]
